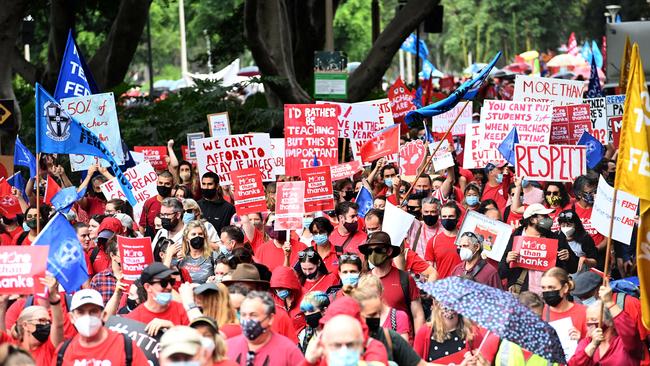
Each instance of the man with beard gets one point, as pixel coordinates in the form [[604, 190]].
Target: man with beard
[[214, 208]]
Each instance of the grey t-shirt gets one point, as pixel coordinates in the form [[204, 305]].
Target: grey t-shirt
[[199, 268]]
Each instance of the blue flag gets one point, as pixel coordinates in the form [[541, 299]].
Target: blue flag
[[417, 99], [594, 90], [585, 52], [467, 91], [507, 147], [595, 51], [75, 79], [65, 260], [427, 69], [24, 157], [364, 200], [57, 132], [315, 162], [595, 150], [409, 46], [17, 181], [65, 198], [427, 134]]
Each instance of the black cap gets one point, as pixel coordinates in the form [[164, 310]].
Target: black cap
[[585, 283], [156, 270], [208, 286]]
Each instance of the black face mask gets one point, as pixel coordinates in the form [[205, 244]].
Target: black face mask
[[168, 223], [313, 319], [131, 303], [163, 191], [209, 193], [7, 221], [552, 298], [349, 195], [351, 227], [197, 242], [449, 224], [31, 223], [280, 236], [312, 275], [430, 220], [42, 332], [373, 324], [416, 213]]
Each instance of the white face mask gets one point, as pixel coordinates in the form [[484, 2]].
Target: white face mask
[[465, 254], [88, 325], [568, 231]]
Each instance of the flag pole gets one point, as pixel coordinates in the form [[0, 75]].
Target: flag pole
[[607, 254], [38, 194], [426, 164], [345, 146]]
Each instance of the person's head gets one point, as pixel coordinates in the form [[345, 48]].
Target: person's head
[[32, 214], [345, 188], [231, 237], [113, 251], [237, 294], [350, 266], [86, 312], [470, 246], [313, 305], [222, 268], [310, 265], [570, 224], [485, 205], [494, 172], [165, 184], [388, 174], [585, 188], [212, 339], [449, 214], [369, 295], [191, 210], [445, 320], [586, 287], [257, 220], [342, 339], [171, 211], [214, 300], [414, 206], [556, 195], [536, 216], [93, 225], [96, 183], [83, 235], [182, 192], [423, 186], [114, 206], [378, 249], [472, 195], [195, 237], [374, 220], [321, 228], [436, 182], [210, 188], [185, 171], [593, 317], [256, 315], [532, 301], [13, 355], [379, 202], [430, 211], [157, 223], [556, 285], [157, 280], [185, 345], [493, 213], [33, 326], [346, 213]]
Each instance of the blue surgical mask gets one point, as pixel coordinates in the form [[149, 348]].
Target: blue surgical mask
[[164, 298], [350, 279], [344, 357], [499, 178], [25, 227], [283, 294], [224, 251], [524, 183], [588, 301], [471, 200], [306, 221], [388, 182], [320, 239], [188, 216]]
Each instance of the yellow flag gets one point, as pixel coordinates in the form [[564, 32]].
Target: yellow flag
[[643, 260], [625, 65]]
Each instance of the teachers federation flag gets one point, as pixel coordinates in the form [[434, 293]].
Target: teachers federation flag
[[75, 79], [633, 167], [58, 133]]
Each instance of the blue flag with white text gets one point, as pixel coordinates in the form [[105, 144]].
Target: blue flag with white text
[[24, 157], [75, 79], [507, 146], [595, 150], [58, 133], [409, 46], [364, 200], [65, 260]]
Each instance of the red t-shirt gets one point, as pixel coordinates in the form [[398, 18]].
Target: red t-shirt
[[5, 239], [353, 245], [13, 234], [95, 206], [150, 210], [279, 351], [271, 256], [43, 354], [495, 193], [441, 251], [585, 216], [26, 241], [415, 263], [175, 313], [256, 241], [102, 261], [321, 284], [331, 260], [394, 294], [110, 352], [577, 313], [230, 330]]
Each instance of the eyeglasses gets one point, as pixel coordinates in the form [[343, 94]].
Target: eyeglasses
[[477, 237], [306, 254], [566, 215], [413, 208], [552, 193], [349, 257], [167, 281]]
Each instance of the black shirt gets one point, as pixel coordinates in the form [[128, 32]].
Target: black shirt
[[218, 213], [402, 353]]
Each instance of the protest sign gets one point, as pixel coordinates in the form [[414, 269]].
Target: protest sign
[[277, 151], [319, 194], [495, 233], [219, 124], [398, 225], [155, 155], [345, 170], [289, 205], [546, 90], [136, 331], [384, 143], [20, 268], [598, 118], [411, 156], [569, 122], [191, 143], [248, 191], [357, 121], [614, 105], [560, 163], [135, 255], [475, 156], [144, 181], [442, 122], [537, 254], [401, 100], [564, 327], [624, 215], [186, 155], [442, 162], [385, 112], [499, 117], [97, 113], [310, 130], [223, 154]]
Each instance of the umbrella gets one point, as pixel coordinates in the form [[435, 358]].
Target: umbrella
[[519, 67], [565, 60], [500, 313], [529, 55], [585, 71], [249, 71]]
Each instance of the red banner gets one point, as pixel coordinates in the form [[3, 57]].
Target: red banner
[[136, 255], [401, 100], [20, 268], [385, 142], [345, 170], [155, 155], [310, 130], [569, 122], [319, 194], [538, 254], [289, 205], [248, 191], [411, 156]]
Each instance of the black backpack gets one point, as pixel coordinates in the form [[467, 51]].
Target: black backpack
[[128, 347]]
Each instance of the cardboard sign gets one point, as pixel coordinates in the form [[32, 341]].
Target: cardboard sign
[[21, 267], [499, 117], [191, 143], [144, 180], [475, 156], [289, 205], [277, 151], [559, 163], [310, 130], [411, 156], [223, 154], [248, 191], [96, 112], [401, 100], [569, 122], [186, 155], [135, 255], [345, 170], [155, 155], [385, 112], [624, 214], [6, 166], [598, 118], [397, 224], [136, 331], [546, 90], [319, 194], [615, 105], [442, 122], [219, 124], [495, 233], [537, 254], [357, 121]]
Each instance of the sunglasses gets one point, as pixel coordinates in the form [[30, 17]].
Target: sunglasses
[[349, 257], [553, 193], [378, 250], [306, 254], [566, 215], [167, 281], [472, 235]]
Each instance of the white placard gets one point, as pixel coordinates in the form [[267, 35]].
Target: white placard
[[144, 180], [277, 150], [558, 163], [219, 124], [624, 214], [495, 233], [441, 122], [547, 90], [398, 225]]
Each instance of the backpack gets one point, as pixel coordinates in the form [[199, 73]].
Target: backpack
[[21, 237], [406, 286], [128, 347]]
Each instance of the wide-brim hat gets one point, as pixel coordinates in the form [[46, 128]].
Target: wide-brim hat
[[379, 238], [247, 273]]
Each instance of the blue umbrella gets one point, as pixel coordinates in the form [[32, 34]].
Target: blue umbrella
[[500, 313]]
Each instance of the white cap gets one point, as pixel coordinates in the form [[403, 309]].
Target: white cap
[[86, 296], [537, 209]]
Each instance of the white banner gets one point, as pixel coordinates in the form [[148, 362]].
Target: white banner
[[441, 122], [495, 233], [546, 90], [144, 180], [624, 214], [559, 163]]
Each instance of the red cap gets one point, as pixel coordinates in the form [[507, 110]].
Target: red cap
[[111, 224]]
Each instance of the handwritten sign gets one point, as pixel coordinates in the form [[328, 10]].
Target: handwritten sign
[[319, 194], [135, 255], [97, 112], [442, 122], [569, 122], [219, 124], [546, 90], [598, 118], [385, 112], [401, 100], [538, 254], [20, 268], [475, 156], [345, 170], [411, 156], [499, 117], [223, 154], [248, 191], [615, 105], [289, 205], [357, 121], [624, 215], [155, 155], [310, 130], [560, 163], [495, 233], [144, 181]]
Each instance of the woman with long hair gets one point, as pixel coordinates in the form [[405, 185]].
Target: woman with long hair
[[214, 300], [197, 254], [579, 240], [313, 273]]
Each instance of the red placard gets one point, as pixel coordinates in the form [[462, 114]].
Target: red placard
[[569, 122], [345, 170], [319, 194], [289, 205], [186, 155], [136, 255], [411, 156], [155, 155], [447, 83], [538, 254], [310, 130], [20, 268], [401, 100], [248, 191], [385, 142], [615, 124]]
